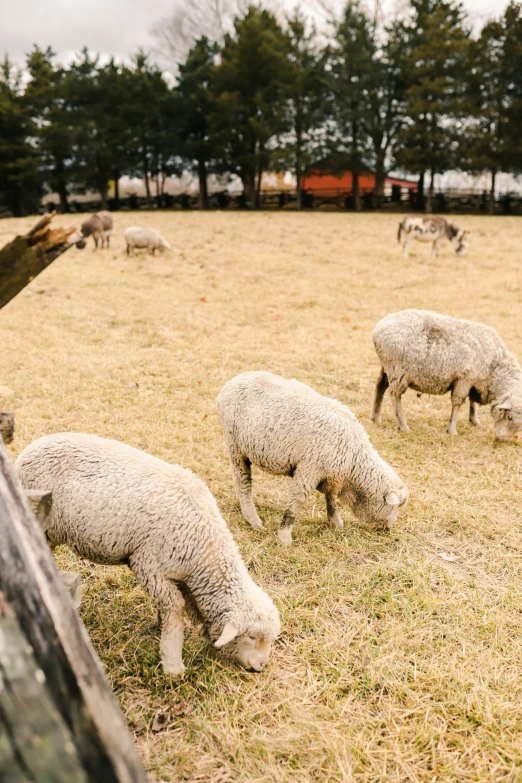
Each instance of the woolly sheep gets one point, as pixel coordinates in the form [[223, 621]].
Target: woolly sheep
[[114, 504], [99, 226], [288, 429], [149, 238], [435, 354]]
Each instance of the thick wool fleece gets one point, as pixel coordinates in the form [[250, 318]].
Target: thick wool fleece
[[435, 354], [288, 429], [114, 504]]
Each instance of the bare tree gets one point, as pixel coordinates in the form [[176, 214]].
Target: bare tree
[[191, 19]]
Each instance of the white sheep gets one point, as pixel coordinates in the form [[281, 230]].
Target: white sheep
[[148, 238], [436, 354], [288, 429], [114, 504]]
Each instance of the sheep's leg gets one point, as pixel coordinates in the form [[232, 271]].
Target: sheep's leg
[[435, 249], [405, 248], [299, 493], [242, 470], [171, 604], [397, 389], [473, 412], [334, 517], [458, 395], [95, 241], [380, 390]]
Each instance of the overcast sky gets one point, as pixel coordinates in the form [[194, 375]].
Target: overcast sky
[[116, 27]]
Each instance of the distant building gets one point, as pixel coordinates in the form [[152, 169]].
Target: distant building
[[325, 184]]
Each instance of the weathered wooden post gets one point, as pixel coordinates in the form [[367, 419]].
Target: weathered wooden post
[[59, 722]]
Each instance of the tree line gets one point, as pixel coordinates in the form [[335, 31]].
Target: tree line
[[424, 94]]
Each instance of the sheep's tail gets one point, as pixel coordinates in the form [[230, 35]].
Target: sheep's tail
[[401, 226]]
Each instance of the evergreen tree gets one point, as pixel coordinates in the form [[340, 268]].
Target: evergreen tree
[[305, 86], [384, 117], [352, 78], [436, 45], [192, 108], [46, 100], [20, 174], [247, 88]]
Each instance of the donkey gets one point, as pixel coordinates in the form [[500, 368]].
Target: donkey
[[432, 229]]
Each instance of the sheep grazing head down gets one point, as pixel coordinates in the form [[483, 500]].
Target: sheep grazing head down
[[251, 647], [378, 511], [507, 417]]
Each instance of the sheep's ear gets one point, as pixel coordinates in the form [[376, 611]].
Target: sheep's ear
[[392, 499], [228, 633]]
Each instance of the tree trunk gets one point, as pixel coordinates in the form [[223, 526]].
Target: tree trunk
[[26, 256], [429, 200], [147, 184], [249, 187], [420, 192], [203, 185], [258, 187], [62, 193], [492, 192], [380, 180], [356, 192], [116, 191]]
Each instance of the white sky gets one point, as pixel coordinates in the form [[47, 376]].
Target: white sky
[[117, 27]]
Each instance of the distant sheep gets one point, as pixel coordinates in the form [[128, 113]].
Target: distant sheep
[[436, 354], [99, 226], [114, 504], [288, 429], [432, 229], [148, 238]]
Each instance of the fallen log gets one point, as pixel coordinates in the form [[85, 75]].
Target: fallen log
[[26, 256]]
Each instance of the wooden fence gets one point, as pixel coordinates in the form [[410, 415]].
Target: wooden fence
[[399, 200]]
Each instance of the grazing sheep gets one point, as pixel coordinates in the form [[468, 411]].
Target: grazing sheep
[[288, 429], [432, 229], [139, 237], [436, 354], [114, 504], [99, 226]]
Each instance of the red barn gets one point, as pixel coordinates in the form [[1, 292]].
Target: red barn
[[324, 183]]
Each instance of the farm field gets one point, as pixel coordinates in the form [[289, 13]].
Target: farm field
[[400, 657]]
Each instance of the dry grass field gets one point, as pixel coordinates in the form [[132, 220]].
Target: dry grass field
[[400, 657]]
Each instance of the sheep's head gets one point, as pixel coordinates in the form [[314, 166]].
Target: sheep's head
[[251, 646], [507, 417], [378, 510]]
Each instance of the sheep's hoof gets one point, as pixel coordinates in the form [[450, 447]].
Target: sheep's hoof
[[255, 523], [174, 668], [403, 428], [336, 522], [475, 422], [285, 536], [451, 431]]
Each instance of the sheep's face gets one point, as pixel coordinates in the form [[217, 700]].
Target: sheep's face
[[379, 512], [252, 648], [507, 416]]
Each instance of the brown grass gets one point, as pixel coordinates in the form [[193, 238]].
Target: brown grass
[[394, 664]]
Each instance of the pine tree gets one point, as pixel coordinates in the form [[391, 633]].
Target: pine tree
[[247, 89], [352, 68], [305, 86], [46, 100], [192, 107], [436, 45], [20, 174]]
